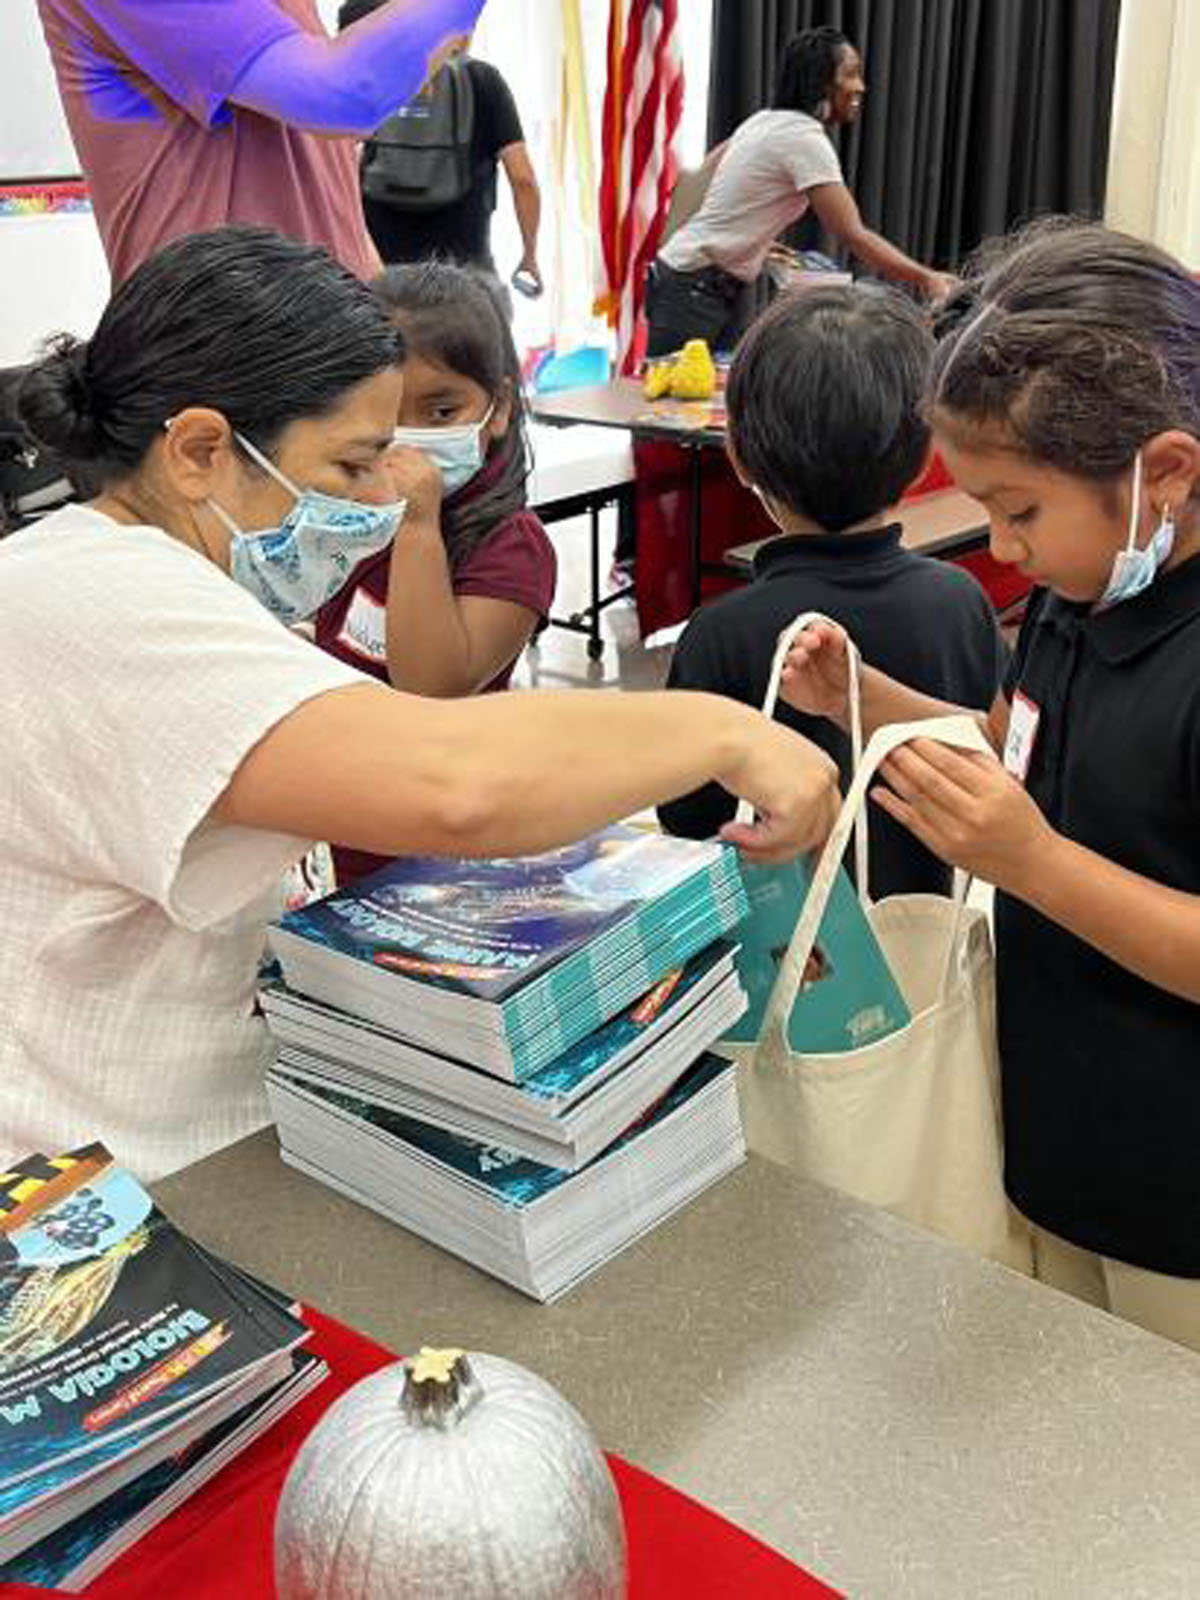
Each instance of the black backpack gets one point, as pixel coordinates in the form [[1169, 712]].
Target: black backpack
[[33, 481], [420, 158]]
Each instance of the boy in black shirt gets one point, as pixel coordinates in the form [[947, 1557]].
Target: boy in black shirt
[[824, 425]]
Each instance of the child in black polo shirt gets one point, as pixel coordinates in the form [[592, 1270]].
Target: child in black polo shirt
[[1068, 403], [825, 424]]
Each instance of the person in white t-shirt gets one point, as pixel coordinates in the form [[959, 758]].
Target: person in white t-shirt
[[170, 746], [775, 166]]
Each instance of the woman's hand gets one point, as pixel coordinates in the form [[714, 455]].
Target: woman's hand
[[816, 674], [792, 786], [417, 480], [968, 810]]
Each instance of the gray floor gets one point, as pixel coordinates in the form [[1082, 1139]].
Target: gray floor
[[560, 660]]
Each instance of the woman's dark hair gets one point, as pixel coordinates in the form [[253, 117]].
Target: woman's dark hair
[[824, 401], [453, 316], [1073, 344], [807, 69], [261, 328]]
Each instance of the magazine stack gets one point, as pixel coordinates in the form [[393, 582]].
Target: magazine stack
[[133, 1365], [512, 1058]]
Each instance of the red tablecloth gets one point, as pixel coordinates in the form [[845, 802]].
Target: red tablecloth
[[218, 1546]]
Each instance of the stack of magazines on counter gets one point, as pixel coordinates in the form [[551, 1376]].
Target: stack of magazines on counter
[[511, 1057], [133, 1365]]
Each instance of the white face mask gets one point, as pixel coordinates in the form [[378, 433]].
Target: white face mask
[[295, 568], [459, 452], [1134, 569]]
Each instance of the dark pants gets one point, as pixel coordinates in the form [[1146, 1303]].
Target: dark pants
[[707, 304], [400, 238]]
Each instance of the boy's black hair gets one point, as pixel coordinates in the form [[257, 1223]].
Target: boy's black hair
[[824, 402], [453, 315], [807, 69]]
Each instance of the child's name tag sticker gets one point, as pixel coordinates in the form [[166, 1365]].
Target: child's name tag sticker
[[365, 629], [1023, 719]]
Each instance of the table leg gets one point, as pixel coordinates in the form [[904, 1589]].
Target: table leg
[[697, 524], [595, 644]]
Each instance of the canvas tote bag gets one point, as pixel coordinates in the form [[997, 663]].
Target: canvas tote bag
[[910, 1122]]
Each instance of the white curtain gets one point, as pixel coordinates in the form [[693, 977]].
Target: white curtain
[[1154, 152]]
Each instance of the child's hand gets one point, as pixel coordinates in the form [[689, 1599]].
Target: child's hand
[[418, 480], [816, 674], [968, 810]]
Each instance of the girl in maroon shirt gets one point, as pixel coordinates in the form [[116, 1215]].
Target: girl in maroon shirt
[[447, 609]]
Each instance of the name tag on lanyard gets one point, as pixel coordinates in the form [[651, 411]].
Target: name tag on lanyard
[[1023, 719]]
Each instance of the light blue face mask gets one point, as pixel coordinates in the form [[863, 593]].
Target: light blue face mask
[[458, 452], [1134, 569], [295, 568]]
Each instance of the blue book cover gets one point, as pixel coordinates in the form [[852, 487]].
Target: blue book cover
[[110, 1322], [512, 1179], [52, 1560], [486, 928], [561, 1081], [848, 997]]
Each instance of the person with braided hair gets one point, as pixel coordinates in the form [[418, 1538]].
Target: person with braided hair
[[1066, 400], [776, 166]]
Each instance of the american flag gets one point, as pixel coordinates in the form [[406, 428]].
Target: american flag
[[643, 103]]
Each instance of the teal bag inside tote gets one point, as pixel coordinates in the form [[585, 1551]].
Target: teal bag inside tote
[[848, 997]]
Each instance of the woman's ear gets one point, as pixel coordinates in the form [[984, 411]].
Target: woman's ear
[[197, 452]]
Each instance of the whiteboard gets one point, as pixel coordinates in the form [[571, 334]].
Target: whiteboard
[[34, 139]]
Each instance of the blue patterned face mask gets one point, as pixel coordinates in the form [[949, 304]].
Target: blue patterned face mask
[[1134, 570], [295, 568]]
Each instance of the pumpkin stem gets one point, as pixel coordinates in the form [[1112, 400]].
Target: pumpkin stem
[[440, 1387]]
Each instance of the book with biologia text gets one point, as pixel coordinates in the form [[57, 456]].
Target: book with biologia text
[[848, 996], [115, 1333], [77, 1551]]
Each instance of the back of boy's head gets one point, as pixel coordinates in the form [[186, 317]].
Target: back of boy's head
[[1071, 344], [824, 402]]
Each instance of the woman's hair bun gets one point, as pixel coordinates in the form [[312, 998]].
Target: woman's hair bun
[[56, 404]]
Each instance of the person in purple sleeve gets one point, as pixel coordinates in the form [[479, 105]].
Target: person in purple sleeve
[[187, 114]]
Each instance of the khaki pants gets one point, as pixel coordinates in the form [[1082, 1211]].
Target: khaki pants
[[1165, 1305]]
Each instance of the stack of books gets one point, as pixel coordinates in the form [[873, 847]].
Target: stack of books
[[133, 1365], [510, 1057]]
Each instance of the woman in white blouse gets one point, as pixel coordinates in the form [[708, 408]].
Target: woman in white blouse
[[169, 746]]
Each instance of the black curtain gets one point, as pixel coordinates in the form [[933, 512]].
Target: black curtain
[[979, 113]]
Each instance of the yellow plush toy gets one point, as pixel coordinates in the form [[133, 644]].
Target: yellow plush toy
[[656, 380], [694, 376], [691, 376]]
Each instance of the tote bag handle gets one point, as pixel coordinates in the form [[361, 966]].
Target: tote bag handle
[[745, 812], [960, 731]]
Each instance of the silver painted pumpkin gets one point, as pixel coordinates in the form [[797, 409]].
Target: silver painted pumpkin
[[450, 1477]]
